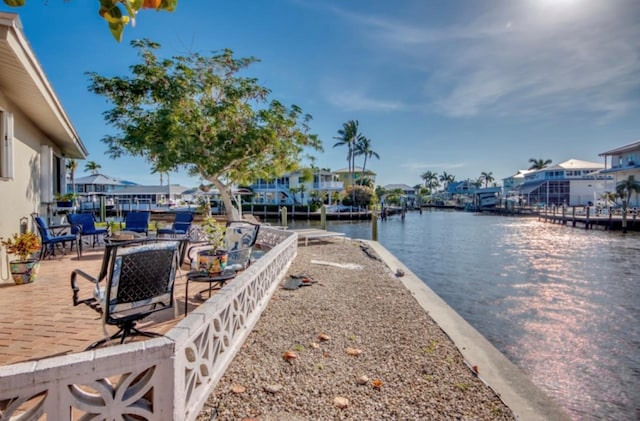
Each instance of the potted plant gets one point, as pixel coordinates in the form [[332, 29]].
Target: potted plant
[[24, 270], [65, 200], [213, 261]]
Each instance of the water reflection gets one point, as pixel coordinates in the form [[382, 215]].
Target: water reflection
[[562, 303]]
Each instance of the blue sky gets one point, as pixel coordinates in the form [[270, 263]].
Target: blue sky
[[462, 86]]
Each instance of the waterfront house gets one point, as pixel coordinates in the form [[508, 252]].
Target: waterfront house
[[510, 183], [37, 134], [295, 188], [345, 176], [622, 162], [572, 183], [408, 192]]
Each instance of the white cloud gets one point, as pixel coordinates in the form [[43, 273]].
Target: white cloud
[[357, 101], [525, 58]]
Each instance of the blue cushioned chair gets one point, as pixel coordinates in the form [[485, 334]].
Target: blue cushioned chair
[[137, 222], [84, 224], [50, 240], [180, 226]]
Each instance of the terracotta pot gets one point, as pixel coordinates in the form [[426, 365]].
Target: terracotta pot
[[212, 262], [24, 272]]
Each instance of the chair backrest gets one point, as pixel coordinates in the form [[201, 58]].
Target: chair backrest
[[240, 234], [43, 228], [239, 238], [137, 221], [141, 280], [81, 221], [183, 221]]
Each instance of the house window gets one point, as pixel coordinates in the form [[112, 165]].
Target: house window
[[6, 145]]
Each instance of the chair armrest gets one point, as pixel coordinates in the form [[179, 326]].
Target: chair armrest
[[76, 289], [192, 251]]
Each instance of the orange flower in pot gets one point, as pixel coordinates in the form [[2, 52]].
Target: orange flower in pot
[[24, 270]]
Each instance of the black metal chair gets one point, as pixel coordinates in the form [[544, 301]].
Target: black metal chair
[[139, 278], [50, 239]]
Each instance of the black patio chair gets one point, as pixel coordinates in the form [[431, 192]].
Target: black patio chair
[[53, 236], [138, 277]]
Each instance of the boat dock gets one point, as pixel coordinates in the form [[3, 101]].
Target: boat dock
[[589, 217]]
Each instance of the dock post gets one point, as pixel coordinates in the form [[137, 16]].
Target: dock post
[[323, 217], [586, 223], [374, 225], [283, 216], [611, 221], [573, 217], [564, 215]]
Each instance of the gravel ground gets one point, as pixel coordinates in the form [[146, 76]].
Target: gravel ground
[[364, 350]]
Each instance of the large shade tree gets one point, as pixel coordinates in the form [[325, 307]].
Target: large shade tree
[[198, 112]]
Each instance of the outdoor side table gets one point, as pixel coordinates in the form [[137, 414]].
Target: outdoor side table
[[197, 276]]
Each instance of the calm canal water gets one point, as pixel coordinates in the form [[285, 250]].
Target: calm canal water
[[562, 303]]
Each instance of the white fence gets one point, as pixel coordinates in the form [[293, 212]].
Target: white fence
[[162, 378]]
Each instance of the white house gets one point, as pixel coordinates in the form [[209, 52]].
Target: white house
[[572, 182], [37, 134], [623, 162], [294, 187]]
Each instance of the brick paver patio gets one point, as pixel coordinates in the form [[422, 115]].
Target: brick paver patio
[[39, 320]]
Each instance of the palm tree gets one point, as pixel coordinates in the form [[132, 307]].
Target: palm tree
[[446, 179], [538, 164], [72, 166], [624, 189], [486, 178], [349, 136], [92, 167], [363, 148], [430, 180]]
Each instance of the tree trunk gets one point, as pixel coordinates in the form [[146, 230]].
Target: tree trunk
[[232, 213], [624, 216]]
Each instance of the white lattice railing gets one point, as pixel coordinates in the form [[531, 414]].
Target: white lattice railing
[[158, 379]]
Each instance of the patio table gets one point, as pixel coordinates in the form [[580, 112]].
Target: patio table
[[198, 276]]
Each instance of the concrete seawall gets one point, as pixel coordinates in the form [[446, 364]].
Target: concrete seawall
[[525, 399]]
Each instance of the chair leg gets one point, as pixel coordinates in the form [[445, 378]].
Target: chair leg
[[125, 331]]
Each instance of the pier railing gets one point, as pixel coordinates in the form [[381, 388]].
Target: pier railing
[[591, 216], [162, 378]]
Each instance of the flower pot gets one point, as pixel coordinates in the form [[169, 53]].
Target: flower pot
[[25, 271], [212, 262], [64, 204]]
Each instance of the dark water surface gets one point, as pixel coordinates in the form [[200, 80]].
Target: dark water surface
[[562, 303]]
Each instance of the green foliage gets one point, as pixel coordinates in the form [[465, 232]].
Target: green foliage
[[625, 188], [214, 231], [118, 13], [197, 112], [358, 196]]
